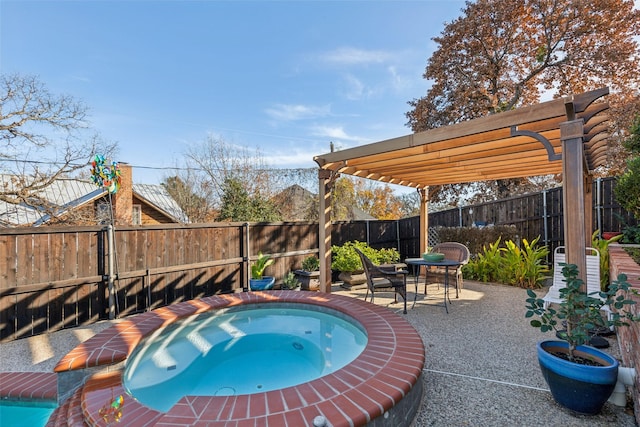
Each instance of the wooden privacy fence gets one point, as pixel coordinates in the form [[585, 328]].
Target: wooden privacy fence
[[58, 277], [538, 214]]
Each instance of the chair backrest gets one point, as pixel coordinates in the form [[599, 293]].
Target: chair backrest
[[367, 266], [454, 251], [593, 268]]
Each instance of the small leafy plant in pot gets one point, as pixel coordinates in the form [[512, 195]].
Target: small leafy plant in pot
[[290, 282], [258, 281], [581, 378], [309, 276]]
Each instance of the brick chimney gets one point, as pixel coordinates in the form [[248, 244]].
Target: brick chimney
[[123, 199]]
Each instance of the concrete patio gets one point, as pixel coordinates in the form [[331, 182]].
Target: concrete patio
[[481, 367]]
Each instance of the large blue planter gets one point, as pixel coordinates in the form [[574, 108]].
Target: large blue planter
[[580, 388], [263, 284]]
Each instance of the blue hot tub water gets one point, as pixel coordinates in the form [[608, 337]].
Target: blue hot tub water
[[25, 414], [243, 351]]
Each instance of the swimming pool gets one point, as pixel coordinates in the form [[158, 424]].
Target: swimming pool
[[241, 351], [25, 413]]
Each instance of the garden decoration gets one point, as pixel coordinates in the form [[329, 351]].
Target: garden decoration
[[107, 176], [104, 175], [112, 410]]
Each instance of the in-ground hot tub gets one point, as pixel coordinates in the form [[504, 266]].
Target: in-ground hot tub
[[243, 350], [381, 386]]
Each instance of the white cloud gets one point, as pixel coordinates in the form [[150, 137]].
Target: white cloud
[[335, 133], [292, 112], [353, 56], [355, 88]]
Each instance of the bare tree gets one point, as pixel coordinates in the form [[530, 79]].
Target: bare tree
[[220, 161], [43, 137], [192, 194]]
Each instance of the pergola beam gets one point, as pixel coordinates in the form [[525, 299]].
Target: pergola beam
[[500, 146]]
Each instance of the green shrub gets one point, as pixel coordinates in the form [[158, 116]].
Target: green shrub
[[525, 266], [522, 266], [485, 266], [311, 263], [345, 258], [627, 189], [602, 246]]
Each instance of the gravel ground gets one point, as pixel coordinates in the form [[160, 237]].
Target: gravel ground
[[481, 366]]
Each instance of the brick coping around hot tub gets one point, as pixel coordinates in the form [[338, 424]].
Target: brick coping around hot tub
[[378, 379]]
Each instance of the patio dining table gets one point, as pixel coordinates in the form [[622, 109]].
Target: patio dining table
[[417, 263]]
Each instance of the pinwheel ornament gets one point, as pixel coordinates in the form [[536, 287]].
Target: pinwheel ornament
[[105, 175]]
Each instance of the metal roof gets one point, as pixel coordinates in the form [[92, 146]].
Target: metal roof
[[513, 144], [69, 193], [157, 197]]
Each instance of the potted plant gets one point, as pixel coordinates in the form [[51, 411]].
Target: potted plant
[[346, 260], [580, 377], [290, 282], [309, 276], [258, 281]]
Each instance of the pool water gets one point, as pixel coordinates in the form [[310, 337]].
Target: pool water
[[242, 351], [25, 414]]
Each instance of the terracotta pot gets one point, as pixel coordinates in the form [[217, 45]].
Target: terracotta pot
[[606, 235]]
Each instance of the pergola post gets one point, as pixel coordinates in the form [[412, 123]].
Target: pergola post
[[573, 194], [424, 219], [324, 228]]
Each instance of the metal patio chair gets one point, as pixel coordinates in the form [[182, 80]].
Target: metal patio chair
[[384, 278]]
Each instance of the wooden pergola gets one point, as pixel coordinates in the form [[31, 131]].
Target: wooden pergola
[[567, 135]]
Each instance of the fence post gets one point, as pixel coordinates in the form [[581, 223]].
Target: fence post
[[246, 259], [599, 206], [111, 261], [545, 218], [368, 232]]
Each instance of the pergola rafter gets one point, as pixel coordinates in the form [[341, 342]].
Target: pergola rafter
[[528, 141]]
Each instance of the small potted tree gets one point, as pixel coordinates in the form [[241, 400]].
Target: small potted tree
[[258, 281], [309, 276], [580, 377]]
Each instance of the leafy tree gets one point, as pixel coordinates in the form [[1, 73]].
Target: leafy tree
[[409, 204], [43, 137], [502, 55], [239, 205], [627, 189], [378, 201], [223, 168], [343, 199], [192, 198]]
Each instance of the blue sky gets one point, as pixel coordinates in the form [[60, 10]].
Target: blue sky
[[286, 77]]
